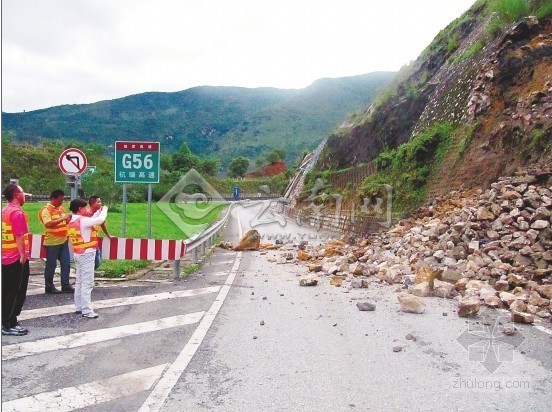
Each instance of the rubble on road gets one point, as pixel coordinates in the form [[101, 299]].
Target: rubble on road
[[483, 248]]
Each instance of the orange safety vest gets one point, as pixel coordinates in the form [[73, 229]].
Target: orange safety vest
[[9, 245], [61, 229], [75, 237], [95, 233]]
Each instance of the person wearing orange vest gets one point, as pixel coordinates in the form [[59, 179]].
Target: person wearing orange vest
[[95, 204], [84, 253], [54, 219], [15, 260]]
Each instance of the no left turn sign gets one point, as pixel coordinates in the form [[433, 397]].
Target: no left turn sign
[[72, 161]]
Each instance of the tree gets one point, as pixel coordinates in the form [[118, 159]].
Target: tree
[[209, 166], [184, 159], [275, 155], [238, 167]]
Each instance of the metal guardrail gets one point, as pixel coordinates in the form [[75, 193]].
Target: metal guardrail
[[200, 243]]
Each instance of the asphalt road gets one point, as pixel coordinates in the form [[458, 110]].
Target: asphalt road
[[242, 335]]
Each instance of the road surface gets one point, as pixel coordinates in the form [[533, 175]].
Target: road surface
[[242, 335]]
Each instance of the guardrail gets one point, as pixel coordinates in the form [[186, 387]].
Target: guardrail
[[199, 243]]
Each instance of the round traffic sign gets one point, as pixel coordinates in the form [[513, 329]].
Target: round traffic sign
[[72, 161]]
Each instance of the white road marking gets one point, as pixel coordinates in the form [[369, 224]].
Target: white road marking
[[506, 312], [163, 388], [222, 262], [35, 291], [88, 394], [75, 340], [543, 329], [110, 303], [225, 273]]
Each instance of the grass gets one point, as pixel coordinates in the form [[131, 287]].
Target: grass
[[409, 167], [195, 216], [122, 268], [189, 269], [512, 10], [474, 48]]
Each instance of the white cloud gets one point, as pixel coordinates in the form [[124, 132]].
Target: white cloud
[[80, 51]]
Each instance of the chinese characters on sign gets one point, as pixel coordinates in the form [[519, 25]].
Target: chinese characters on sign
[[136, 162]]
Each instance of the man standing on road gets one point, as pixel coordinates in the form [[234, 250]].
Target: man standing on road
[[15, 260], [95, 204], [54, 219]]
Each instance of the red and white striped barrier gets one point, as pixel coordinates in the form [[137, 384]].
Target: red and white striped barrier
[[125, 249]]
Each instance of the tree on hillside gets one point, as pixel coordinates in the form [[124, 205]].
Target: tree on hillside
[[276, 155], [238, 167], [184, 159], [209, 166]]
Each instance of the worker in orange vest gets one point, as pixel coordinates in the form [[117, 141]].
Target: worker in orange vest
[[95, 204], [54, 219], [84, 253], [15, 260]]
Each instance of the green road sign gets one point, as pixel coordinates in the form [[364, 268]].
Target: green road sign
[[136, 162]]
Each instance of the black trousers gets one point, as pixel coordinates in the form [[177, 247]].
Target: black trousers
[[15, 278]]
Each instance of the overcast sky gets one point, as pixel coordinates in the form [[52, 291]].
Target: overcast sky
[[82, 51]]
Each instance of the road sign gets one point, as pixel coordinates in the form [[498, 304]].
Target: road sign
[[72, 161], [136, 162]]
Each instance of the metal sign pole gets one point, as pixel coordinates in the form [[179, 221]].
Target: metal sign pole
[[149, 210], [124, 209]]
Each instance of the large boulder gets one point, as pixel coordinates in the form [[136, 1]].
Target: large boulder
[[411, 303], [468, 307], [250, 241]]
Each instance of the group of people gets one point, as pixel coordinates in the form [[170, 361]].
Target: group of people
[[80, 228]]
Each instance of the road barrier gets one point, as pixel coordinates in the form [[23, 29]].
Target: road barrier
[[147, 249], [119, 248], [199, 243]]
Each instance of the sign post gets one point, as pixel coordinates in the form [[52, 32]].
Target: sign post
[[72, 162], [137, 162]]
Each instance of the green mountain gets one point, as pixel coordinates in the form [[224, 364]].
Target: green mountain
[[226, 121]]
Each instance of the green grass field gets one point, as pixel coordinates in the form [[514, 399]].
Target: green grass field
[[195, 218]]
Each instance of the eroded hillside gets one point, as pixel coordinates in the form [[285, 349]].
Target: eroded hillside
[[492, 91]]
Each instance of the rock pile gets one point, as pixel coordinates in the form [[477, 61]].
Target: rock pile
[[491, 248]]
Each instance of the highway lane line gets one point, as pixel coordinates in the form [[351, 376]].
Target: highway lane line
[[79, 339], [506, 312], [222, 262], [88, 394], [225, 273], [110, 303], [543, 329], [163, 388]]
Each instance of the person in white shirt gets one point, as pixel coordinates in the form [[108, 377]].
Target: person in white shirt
[[79, 231]]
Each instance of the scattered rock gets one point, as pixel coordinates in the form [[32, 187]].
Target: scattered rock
[[308, 280], [336, 281], [522, 317], [442, 289], [397, 348], [421, 289], [366, 306], [468, 307], [250, 241], [411, 303]]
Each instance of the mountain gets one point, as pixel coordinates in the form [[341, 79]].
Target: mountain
[[226, 121], [475, 105]]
